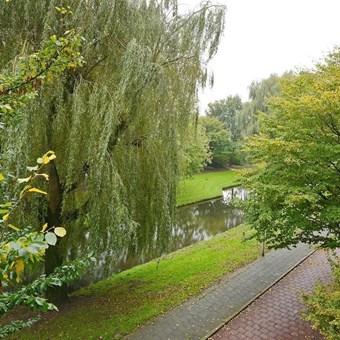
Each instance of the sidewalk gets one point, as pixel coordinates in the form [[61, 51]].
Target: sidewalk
[[200, 316], [275, 314]]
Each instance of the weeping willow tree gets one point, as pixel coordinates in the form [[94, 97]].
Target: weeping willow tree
[[117, 124]]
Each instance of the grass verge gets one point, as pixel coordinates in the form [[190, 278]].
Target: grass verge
[[205, 186], [116, 306]]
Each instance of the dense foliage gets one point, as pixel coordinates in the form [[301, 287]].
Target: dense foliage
[[259, 92], [220, 144], [194, 150], [240, 119], [228, 111], [23, 247], [118, 124], [295, 187]]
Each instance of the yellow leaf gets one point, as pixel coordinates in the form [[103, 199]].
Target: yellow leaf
[[52, 157], [13, 227], [60, 231], [49, 156], [46, 160], [1, 177], [19, 268], [44, 175], [5, 217], [43, 228], [37, 191], [23, 191]]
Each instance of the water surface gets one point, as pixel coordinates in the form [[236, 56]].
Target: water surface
[[197, 222]]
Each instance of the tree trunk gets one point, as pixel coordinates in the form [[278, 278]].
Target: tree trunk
[[54, 258]]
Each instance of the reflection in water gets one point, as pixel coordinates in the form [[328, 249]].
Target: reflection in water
[[204, 220], [197, 222]]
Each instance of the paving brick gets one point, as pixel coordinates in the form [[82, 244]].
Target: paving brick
[[280, 313], [194, 318]]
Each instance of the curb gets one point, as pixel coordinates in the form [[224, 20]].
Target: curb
[[225, 321]]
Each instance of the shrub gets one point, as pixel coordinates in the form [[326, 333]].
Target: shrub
[[323, 305]]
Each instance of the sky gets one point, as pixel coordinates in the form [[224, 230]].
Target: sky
[[268, 36]]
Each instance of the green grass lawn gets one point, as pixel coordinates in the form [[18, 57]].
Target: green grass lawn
[[205, 186], [116, 306]]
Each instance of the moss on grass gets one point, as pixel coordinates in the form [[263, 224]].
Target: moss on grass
[[116, 306]]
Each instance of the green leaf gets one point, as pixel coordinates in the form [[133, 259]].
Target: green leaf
[[15, 245], [51, 239], [32, 249], [42, 245], [23, 252]]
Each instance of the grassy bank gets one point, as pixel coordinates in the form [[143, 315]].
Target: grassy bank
[[116, 306], [205, 186]]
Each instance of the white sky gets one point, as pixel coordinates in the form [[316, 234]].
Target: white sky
[[269, 36]]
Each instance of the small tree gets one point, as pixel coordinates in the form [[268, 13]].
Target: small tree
[[295, 187]]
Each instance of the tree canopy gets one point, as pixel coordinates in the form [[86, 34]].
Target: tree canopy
[[227, 111], [220, 144], [117, 123], [295, 187], [259, 92]]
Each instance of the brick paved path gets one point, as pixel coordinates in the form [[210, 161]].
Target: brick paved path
[[275, 314], [198, 317]]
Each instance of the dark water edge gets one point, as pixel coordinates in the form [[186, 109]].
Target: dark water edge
[[196, 222]]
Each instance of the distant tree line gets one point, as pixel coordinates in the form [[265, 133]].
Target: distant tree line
[[228, 121]]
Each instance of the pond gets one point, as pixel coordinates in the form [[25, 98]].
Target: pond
[[198, 222]]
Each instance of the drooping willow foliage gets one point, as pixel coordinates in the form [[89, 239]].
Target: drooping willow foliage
[[117, 124]]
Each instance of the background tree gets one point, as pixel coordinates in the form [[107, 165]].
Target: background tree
[[195, 150], [259, 92], [295, 187], [220, 144], [115, 124], [227, 111]]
